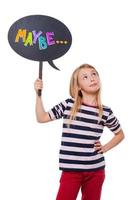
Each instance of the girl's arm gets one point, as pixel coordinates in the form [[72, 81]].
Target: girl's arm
[[112, 143], [41, 115]]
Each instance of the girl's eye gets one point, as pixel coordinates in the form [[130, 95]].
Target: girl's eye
[[85, 77], [94, 73]]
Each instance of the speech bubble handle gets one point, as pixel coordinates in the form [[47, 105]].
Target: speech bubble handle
[[40, 76], [40, 72]]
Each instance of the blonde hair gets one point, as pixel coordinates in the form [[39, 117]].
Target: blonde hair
[[75, 92]]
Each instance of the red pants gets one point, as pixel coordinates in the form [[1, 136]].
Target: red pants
[[89, 182]]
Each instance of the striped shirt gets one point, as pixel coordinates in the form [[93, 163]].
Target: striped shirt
[[77, 152]]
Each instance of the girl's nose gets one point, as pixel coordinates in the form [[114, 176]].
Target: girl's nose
[[91, 78]]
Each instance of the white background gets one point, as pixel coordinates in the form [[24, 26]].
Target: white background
[[102, 36]]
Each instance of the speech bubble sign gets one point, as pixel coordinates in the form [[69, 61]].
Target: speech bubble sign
[[40, 38]]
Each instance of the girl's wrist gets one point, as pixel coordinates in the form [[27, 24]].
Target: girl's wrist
[[37, 96], [105, 148]]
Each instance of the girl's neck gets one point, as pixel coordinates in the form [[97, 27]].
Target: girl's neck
[[89, 100]]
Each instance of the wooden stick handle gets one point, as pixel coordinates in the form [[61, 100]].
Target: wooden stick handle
[[40, 76]]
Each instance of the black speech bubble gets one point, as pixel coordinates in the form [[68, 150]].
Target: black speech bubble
[[40, 38]]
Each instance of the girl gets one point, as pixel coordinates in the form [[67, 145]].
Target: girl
[[81, 156]]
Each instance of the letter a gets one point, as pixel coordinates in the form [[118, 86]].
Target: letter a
[[29, 39]]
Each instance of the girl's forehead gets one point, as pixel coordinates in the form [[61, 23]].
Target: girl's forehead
[[86, 71]]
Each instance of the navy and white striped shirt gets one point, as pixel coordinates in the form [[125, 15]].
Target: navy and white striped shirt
[[77, 152]]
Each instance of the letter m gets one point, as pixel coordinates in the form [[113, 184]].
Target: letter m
[[21, 34]]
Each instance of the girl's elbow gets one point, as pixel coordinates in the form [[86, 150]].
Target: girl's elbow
[[122, 136], [39, 120], [43, 118]]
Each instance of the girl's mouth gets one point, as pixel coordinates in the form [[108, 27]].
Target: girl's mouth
[[94, 84]]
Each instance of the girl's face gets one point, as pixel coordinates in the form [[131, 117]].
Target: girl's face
[[88, 80]]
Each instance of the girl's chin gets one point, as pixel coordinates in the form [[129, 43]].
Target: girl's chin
[[90, 91]]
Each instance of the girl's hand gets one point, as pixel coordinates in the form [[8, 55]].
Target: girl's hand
[[38, 85], [99, 148]]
